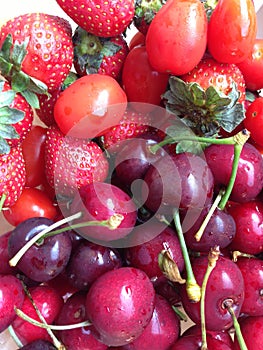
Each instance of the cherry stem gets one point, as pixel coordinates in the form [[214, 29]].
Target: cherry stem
[[237, 254], [112, 223], [214, 206], [180, 314], [15, 337], [192, 288], [2, 201], [31, 320], [55, 340], [240, 338], [212, 259]]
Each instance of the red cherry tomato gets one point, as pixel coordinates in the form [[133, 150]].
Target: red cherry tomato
[[33, 152], [177, 37], [140, 81], [90, 105], [32, 203], [252, 67], [254, 120], [136, 40], [232, 30]]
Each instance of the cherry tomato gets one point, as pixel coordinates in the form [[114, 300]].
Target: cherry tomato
[[252, 67], [140, 81], [254, 120], [90, 105], [33, 152], [232, 30], [32, 203], [136, 40], [177, 37]]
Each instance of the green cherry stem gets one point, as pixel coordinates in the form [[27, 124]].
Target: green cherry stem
[[2, 201], [192, 288], [212, 259], [15, 337]]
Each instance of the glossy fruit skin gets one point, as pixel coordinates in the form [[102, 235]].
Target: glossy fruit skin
[[254, 120], [177, 36], [249, 232], [140, 81], [251, 328], [5, 268], [194, 342], [41, 262], [11, 294], [225, 283], [233, 24], [49, 304], [161, 332], [33, 152], [81, 338], [39, 345], [32, 202], [252, 67], [144, 255], [252, 271], [120, 312], [93, 115], [249, 180]]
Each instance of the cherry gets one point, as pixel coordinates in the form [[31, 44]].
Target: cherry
[[44, 260], [101, 201], [144, 255], [120, 304], [179, 181], [48, 302], [252, 271], [194, 342], [81, 338], [5, 267], [249, 230], [225, 284], [161, 332], [11, 295], [252, 331], [90, 260], [168, 290], [249, 178], [39, 345]]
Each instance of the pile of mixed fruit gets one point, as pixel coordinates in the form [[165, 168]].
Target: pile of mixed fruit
[[131, 173]]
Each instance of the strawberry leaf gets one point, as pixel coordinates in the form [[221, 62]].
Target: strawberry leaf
[[10, 115], [8, 132], [4, 146]]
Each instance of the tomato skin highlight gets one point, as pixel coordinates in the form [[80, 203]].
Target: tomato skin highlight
[[254, 120], [89, 106], [232, 30], [252, 67], [177, 37]]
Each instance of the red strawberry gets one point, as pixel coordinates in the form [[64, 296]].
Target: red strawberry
[[13, 176], [16, 118], [71, 162], [93, 54], [101, 18], [133, 124], [39, 45], [208, 98]]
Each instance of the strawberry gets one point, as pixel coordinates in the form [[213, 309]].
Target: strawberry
[[93, 54], [133, 124], [209, 98], [102, 18], [37, 52], [13, 176], [16, 118], [71, 162]]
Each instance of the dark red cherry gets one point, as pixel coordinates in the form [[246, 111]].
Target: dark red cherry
[[89, 261], [120, 304], [194, 342], [157, 237], [179, 181], [81, 338], [249, 229], [5, 267], [42, 261], [225, 283], [252, 271], [249, 179], [252, 331], [39, 345], [161, 332], [11, 295]]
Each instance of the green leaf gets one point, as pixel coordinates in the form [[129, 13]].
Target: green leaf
[[20, 81], [6, 98], [109, 48], [8, 132], [4, 146], [231, 118], [10, 115], [19, 51], [6, 47], [31, 98], [5, 67]]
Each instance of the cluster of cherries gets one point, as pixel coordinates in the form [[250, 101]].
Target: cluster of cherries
[[164, 230]]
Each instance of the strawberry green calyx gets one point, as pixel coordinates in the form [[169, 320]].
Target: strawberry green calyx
[[209, 6], [205, 111], [12, 55], [8, 117], [145, 10]]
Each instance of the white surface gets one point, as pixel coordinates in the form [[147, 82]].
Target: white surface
[[14, 8]]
